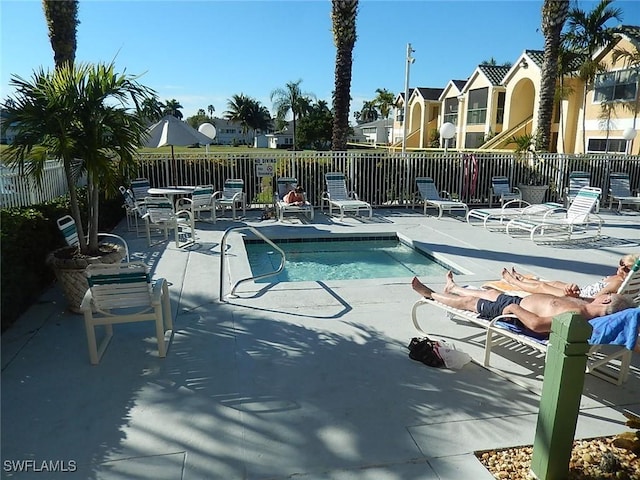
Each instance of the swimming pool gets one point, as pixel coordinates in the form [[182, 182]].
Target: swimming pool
[[345, 258]]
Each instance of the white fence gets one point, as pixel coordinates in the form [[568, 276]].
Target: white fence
[[379, 178]]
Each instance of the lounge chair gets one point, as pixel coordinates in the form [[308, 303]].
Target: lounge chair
[[516, 208], [284, 184], [140, 189], [123, 293], [577, 180], [201, 200], [577, 216], [620, 191], [431, 198], [231, 196], [501, 190], [67, 225], [337, 196], [160, 214]]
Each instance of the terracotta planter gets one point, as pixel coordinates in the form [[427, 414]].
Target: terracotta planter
[[69, 270], [533, 194]]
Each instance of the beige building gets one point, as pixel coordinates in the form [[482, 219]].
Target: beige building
[[497, 103]]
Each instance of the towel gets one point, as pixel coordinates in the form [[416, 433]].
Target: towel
[[620, 328]]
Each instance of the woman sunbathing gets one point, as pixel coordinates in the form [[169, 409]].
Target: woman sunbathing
[[609, 284]]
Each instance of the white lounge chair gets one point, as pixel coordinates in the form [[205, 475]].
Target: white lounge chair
[[123, 293], [231, 196], [501, 190], [577, 180], [337, 196], [577, 216], [284, 185], [516, 208], [620, 191], [432, 198], [67, 225]]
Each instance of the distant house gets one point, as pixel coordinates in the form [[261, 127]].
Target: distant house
[[378, 132], [230, 133], [282, 139], [423, 111], [7, 132]]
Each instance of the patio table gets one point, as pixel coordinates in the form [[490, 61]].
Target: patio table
[[171, 191]]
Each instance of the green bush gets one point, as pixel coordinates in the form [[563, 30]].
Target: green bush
[[27, 236]]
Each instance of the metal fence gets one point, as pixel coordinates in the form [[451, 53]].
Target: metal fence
[[380, 178]]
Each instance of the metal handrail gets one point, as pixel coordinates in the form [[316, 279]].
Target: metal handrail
[[223, 249]]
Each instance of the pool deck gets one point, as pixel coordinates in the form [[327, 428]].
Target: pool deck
[[308, 380]]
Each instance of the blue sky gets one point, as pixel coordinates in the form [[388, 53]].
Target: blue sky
[[203, 52]]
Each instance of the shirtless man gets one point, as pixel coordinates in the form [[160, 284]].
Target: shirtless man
[[535, 311]]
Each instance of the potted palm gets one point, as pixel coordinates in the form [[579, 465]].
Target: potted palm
[[532, 185], [87, 117]]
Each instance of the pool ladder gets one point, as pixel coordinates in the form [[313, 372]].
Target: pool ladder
[[223, 250]]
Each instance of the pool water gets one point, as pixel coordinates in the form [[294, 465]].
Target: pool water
[[341, 260]]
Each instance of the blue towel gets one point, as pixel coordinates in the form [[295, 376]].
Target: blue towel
[[517, 327], [619, 328]]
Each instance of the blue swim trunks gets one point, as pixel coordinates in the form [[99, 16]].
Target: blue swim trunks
[[488, 309]]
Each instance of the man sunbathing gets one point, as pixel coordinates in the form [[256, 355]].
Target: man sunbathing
[[535, 311]]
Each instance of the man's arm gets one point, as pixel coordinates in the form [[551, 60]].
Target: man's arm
[[533, 322]]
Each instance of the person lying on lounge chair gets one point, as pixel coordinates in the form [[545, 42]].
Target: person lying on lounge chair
[[609, 284], [294, 196], [535, 312]]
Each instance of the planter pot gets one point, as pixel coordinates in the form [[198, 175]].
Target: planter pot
[[533, 194], [69, 270]]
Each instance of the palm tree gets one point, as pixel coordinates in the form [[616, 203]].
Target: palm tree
[[587, 33], [239, 110], [151, 110], [554, 14], [291, 99], [78, 113], [172, 107], [385, 102], [62, 20], [343, 20], [211, 109], [369, 112]]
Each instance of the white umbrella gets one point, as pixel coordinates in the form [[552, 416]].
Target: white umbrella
[[172, 131]]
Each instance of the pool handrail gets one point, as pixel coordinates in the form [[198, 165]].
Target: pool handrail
[[223, 249]]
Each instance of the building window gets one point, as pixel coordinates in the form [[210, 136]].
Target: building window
[[473, 140], [451, 110], [500, 108], [613, 145], [477, 109], [620, 85]]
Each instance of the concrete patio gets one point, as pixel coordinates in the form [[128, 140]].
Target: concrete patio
[[306, 380]]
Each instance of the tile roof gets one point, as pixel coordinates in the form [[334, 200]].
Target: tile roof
[[494, 73], [631, 31], [459, 84], [430, 93], [536, 55]]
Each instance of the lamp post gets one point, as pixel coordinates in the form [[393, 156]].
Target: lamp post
[[410, 60], [629, 134], [447, 131]]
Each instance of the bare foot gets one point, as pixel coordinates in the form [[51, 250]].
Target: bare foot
[[451, 284], [421, 288], [516, 275], [507, 276]]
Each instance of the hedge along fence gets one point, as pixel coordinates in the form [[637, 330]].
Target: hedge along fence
[[28, 235]]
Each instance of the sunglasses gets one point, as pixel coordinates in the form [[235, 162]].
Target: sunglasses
[[625, 268]]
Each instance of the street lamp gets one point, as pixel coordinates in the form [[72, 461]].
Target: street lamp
[[629, 134], [405, 118], [447, 131]]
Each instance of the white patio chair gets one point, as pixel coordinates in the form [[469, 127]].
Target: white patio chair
[[284, 185], [231, 196], [124, 293], [337, 196], [160, 214], [67, 225], [431, 198], [501, 190], [140, 189], [577, 216], [620, 191], [133, 210], [201, 201]]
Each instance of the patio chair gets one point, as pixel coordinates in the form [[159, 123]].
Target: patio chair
[[284, 185], [124, 293], [501, 190], [620, 191], [612, 367], [337, 196], [160, 214], [140, 189], [201, 201], [577, 216], [133, 210], [67, 225], [577, 180], [431, 198], [231, 196]]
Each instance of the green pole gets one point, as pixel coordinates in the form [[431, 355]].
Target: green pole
[[561, 392]]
